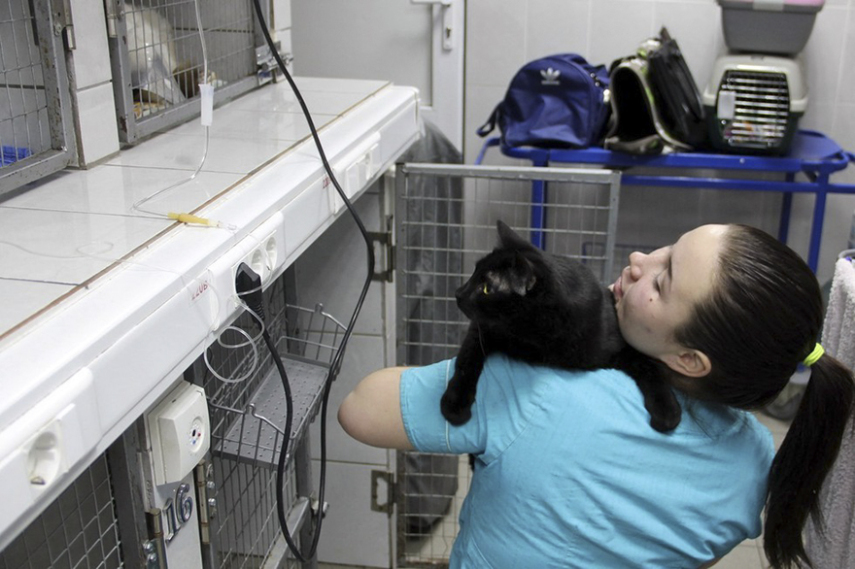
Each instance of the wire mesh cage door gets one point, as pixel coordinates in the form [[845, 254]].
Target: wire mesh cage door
[[247, 409], [446, 220], [161, 50], [36, 133], [78, 529]]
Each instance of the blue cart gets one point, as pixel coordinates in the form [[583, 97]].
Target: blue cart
[[812, 154]]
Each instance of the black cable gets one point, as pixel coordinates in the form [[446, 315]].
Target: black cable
[[335, 365]]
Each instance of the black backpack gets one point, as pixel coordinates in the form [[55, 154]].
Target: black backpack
[[655, 101]]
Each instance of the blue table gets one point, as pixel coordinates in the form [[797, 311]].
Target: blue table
[[812, 154]]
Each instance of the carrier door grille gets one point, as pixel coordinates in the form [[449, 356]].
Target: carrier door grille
[[762, 109]]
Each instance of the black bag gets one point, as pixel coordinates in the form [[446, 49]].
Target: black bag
[[655, 101], [676, 93]]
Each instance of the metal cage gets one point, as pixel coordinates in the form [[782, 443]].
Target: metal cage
[[36, 136], [103, 520], [161, 50], [247, 422], [446, 218], [78, 529]]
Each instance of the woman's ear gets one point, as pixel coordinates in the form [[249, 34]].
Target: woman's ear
[[691, 363]]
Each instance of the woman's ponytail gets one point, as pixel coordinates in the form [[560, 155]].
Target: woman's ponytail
[[762, 317], [804, 460]]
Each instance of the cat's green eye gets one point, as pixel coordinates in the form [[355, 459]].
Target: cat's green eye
[[484, 290]]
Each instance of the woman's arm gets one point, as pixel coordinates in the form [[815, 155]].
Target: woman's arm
[[371, 413]]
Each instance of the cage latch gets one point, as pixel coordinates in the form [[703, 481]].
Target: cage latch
[[266, 64], [62, 24], [389, 479], [112, 13], [205, 490], [387, 249], [154, 548]]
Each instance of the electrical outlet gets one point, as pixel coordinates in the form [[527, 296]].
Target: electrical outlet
[[354, 170], [263, 251], [179, 428], [259, 257]]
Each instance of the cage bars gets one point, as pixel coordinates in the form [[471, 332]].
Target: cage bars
[[160, 55], [36, 137], [446, 220], [247, 425], [78, 529]]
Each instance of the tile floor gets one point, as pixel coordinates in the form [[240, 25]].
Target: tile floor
[[747, 555]]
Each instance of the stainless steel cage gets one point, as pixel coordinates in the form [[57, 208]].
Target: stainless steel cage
[[446, 220], [247, 428], [161, 50], [36, 136], [103, 520], [78, 529]]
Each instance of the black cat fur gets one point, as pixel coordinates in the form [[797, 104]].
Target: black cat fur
[[549, 311]]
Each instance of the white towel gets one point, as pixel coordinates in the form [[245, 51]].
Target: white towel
[[835, 548], [838, 332]]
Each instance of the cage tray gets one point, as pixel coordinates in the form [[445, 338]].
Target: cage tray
[[253, 437]]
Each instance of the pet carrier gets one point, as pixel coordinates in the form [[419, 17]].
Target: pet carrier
[[754, 102], [779, 27]]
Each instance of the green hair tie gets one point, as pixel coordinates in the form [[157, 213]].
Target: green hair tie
[[812, 358]]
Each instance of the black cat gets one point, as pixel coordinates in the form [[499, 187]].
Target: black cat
[[550, 311]]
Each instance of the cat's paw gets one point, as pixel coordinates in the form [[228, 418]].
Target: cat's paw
[[456, 410]]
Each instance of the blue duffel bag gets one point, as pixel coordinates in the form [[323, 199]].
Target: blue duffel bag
[[560, 101]]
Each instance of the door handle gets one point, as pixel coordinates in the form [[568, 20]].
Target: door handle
[[445, 3], [447, 29]]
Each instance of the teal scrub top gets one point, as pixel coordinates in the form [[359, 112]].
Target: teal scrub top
[[570, 473]]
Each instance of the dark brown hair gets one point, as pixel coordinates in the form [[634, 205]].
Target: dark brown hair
[[762, 318]]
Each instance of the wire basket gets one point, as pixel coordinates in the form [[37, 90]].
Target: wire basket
[[255, 417]]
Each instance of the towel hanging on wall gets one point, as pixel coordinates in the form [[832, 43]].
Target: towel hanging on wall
[[835, 546]]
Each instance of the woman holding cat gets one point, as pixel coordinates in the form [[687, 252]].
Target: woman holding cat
[[569, 472]]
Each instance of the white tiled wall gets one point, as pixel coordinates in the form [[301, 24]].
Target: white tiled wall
[[91, 56], [92, 83], [282, 23], [98, 130], [502, 35]]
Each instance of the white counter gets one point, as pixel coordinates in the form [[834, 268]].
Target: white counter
[[104, 306]]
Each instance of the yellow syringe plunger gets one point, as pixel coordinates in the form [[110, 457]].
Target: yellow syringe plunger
[[195, 219]]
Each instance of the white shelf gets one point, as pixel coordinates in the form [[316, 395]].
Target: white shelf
[[255, 435]]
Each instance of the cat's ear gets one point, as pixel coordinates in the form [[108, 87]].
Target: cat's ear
[[523, 277], [509, 238]]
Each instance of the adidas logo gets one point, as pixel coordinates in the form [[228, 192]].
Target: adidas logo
[[550, 76]]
